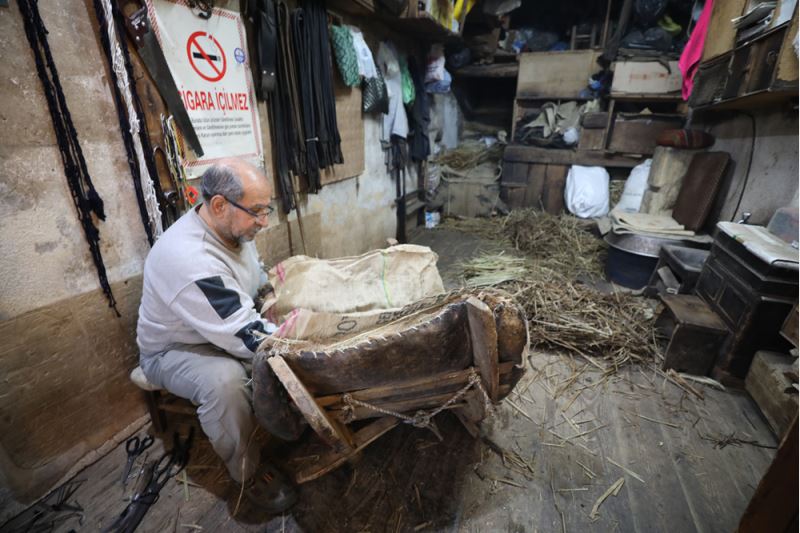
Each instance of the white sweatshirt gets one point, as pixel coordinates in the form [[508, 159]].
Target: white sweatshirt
[[197, 290]]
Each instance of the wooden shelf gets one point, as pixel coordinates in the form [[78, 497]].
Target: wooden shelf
[[755, 100], [520, 153], [494, 70], [424, 25], [632, 97], [412, 22]]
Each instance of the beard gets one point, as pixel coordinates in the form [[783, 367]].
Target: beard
[[248, 235]]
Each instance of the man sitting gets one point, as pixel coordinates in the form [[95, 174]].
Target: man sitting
[[197, 321]]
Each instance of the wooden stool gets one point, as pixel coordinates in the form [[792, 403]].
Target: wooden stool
[[696, 334], [159, 401]]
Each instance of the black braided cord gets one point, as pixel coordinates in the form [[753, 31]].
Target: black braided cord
[[82, 190]]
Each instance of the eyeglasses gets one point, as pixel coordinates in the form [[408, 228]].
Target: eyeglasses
[[261, 213]]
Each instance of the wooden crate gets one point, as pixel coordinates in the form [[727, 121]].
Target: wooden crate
[[769, 382], [536, 185], [555, 75], [645, 77], [637, 133]]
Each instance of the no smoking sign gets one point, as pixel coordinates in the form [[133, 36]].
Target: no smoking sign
[[206, 56]]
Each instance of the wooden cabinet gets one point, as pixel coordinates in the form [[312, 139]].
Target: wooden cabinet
[[752, 298], [749, 75]]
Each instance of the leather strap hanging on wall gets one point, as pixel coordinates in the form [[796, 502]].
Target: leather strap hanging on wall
[[84, 195], [318, 54], [282, 110], [131, 119], [305, 53], [303, 106], [266, 38]]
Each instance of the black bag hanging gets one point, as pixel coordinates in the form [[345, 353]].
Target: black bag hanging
[[420, 117], [374, 97]]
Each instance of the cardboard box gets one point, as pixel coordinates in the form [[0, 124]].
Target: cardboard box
[[645, 77]]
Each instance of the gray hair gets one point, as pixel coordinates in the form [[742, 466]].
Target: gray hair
[[221, 179]]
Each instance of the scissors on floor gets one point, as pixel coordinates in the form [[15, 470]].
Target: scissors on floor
[[134, 446]]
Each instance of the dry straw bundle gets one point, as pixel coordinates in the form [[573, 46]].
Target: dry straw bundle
[[564, 315]]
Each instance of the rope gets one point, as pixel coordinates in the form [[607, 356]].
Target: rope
[[421, 419], [130, 120], [383, 281], [175, 156], [84, 195]]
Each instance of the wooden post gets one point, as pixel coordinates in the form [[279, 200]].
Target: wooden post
[[157, 415], [328, 429], [773, 507], [483, 334]]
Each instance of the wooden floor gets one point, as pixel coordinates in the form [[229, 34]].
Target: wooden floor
[[550, 452]]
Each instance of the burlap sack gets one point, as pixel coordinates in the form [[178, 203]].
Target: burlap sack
[[319, 299]]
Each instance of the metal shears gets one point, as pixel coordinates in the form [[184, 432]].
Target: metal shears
[[134, 446]]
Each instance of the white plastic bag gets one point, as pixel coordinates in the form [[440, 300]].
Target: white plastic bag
[[635, 187], [586, 193]]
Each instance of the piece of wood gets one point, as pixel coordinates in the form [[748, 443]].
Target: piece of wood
[[790, 327], [609, 123], [475, 408], [771, 389], [606, 25], [594, 120], [329, 430], [695, 334], [666, 176], [645, 77], [720, 29], [333, 459], [553, 194], [534, 154], [637, 134], [408, 406], [643, 98], [424, 393], [493, 70], [555, 74], [438, 383], [513, 195], [483, 335], [537, 176], [157, 415], [698, 192], [514, 173], [774, 507], [591, 139], [787, 69], [468, 424], [351, 130]]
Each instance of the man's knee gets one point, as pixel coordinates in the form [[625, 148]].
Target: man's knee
[[225, 384]]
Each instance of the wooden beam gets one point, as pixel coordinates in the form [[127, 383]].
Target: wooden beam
[[328, 429], [774, 507], [407, 406], [437, 383], [424, 393], [334, 459], [483, 334], [519, 153]]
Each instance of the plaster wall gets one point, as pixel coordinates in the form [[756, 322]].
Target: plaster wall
[[64, 356], [771, 152]]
